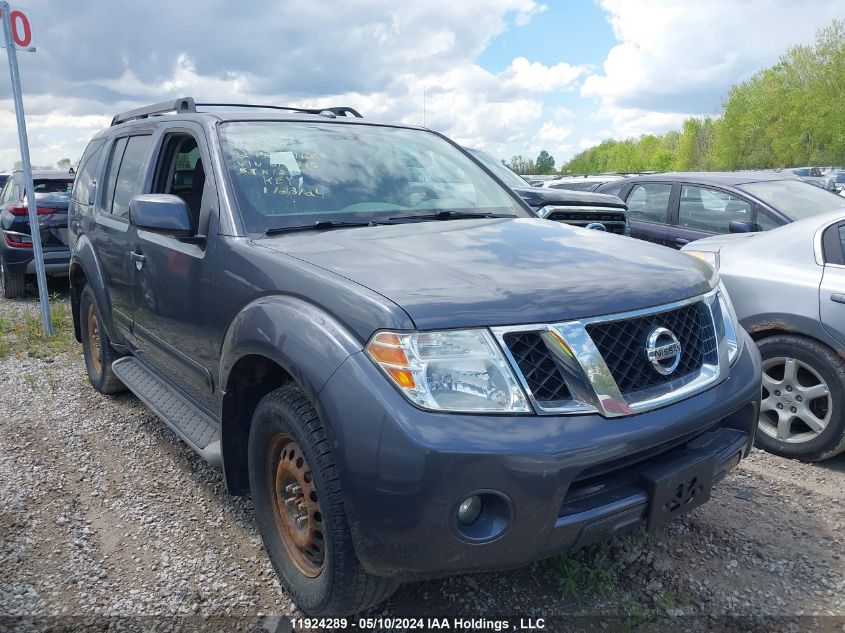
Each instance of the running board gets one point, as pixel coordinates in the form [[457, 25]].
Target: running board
[[191, 424]]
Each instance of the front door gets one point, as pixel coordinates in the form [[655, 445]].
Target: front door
[[704, 211], [172, 294]]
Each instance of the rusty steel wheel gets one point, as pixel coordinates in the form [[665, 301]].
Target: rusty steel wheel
[[296, 507], [94, 342], [96, 346]]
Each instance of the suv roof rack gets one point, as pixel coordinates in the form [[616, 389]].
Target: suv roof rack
[[187, 104], [184, 104], [336, 111]]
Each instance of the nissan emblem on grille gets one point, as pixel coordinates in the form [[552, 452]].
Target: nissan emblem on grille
[[663, 350], [596, 226]]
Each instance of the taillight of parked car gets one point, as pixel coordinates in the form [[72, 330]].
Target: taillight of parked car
[[22, 210], [17, 240]]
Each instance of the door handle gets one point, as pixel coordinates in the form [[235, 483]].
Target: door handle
[[681, 241], [138, 258], [838, 297]]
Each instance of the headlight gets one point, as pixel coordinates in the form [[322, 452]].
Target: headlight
[[731, 323], [458, 370], [706, 256]]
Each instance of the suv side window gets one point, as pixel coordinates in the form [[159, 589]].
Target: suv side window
[[180, 172], [649, 201], [129, 174], [710, 210], [82, 186]]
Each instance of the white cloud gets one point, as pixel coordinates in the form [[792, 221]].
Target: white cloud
[[378, 57], [677, 58]]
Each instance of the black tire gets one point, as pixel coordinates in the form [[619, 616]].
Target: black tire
[[341, 586], [98, 358], [14, 284], [831, 368]]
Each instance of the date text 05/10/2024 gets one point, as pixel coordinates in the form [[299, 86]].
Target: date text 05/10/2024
[[422, 624]]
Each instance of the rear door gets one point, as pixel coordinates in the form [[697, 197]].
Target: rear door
[[648, 210], [832, 289], [704, 211], [112, 234]]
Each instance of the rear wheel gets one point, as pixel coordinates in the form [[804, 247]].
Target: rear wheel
[[14, 284], [801, 414], [96, 346], [299, 509]]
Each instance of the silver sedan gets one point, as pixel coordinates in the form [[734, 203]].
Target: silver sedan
[[788, 289]]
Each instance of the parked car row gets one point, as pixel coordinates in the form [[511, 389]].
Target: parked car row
[[384, 340]]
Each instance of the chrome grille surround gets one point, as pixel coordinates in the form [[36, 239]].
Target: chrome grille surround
[[590, 381]]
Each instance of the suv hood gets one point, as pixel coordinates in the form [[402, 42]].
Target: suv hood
[[464, 273], [538, 197]]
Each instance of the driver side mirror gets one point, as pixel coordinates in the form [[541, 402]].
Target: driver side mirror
[[741, 226], [161, 213]]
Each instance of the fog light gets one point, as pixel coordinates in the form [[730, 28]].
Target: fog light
[[469, 510]]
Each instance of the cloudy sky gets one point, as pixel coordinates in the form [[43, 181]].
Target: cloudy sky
[[507, 76]]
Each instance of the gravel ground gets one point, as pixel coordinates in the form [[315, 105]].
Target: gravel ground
[[105, 512]]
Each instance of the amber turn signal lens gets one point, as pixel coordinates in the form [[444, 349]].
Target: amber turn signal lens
[[388, 354], [403, 377]]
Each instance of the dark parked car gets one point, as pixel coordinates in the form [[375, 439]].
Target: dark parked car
[[17, 259], [675, 209], [587, 210], [3, 179], [410, 372]]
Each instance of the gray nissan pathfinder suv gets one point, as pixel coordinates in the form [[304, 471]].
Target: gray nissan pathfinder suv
[[410, 372]]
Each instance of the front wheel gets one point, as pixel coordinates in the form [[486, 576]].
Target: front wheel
[[299, 509], [801, 414]]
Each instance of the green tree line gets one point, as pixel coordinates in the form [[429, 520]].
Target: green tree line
[[788, 115]]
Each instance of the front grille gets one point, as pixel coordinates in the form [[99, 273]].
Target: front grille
[[538, 366], [622, 344], [613, 221]]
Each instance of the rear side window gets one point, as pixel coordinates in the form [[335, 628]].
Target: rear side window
[[128, 174], [82, 186], [649, 201], [710, 210], [111, 175]]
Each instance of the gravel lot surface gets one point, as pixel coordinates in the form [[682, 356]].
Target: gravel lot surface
[[105, 512]]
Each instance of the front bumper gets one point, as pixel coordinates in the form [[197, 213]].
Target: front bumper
[[561, 481]]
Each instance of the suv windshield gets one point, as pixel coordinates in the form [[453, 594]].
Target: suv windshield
[[510, 178], [794, 198], [288, 174]]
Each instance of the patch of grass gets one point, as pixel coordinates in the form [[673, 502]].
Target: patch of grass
[[583, 573], [30, 380], [27, 335]]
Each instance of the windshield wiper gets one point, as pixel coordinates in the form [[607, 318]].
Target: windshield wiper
[[446, 215], [317, 226]]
